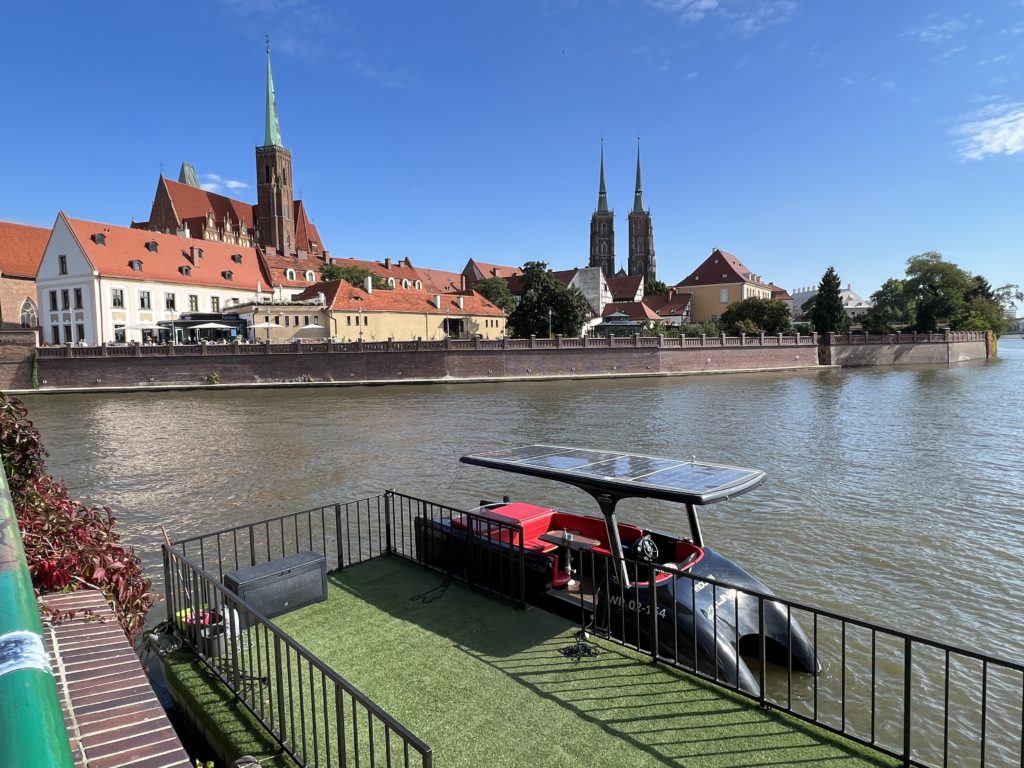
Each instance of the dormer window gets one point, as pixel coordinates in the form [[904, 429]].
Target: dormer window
[[100, 238], [289, 274], [405, 283], [136, 265], [152, 246], [391, 282], [227, 274], [237, 258], [310, 277], [419, 285], [186, 271]]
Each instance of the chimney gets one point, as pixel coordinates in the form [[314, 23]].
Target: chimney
[[437, 300], [387, 263], [458, 301], [368, 283]]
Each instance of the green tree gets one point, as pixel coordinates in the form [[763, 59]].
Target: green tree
[[754, 316], [940, 290], [892, 306], [495, 290], [710, 327], [827, 314], [546, 306], [357, 276], [655, 288], [330, 271]]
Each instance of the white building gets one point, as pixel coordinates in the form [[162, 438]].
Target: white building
[[102, 283], [854, 306]]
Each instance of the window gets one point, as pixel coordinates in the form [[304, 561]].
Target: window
[[228, 274], [170, 302], [310, 277], [55, 334], [67, 333], [136, 265], [391, 282], [289, 274], [78, 298], [185, 270], [723, 296], [29, 315], [193, 303], [117, 298], [419, 285], [62, 264], [53, 301], [296, 321], [215, 303], [79, 332], [144, 300], [119, 336], [405, 283], [287, 320], [348, 319], [65, 299], [366, 320]]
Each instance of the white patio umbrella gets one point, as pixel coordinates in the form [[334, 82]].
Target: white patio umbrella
[[268, 325], [211, 327]]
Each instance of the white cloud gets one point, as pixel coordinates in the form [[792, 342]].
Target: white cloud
[[215, 183], [937, 31], [997, 129], [746, 17]]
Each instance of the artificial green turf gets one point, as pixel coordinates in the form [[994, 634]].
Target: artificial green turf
[[237, 731], [484, 684]]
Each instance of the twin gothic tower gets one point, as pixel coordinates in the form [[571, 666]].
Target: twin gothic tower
[[641, 231]]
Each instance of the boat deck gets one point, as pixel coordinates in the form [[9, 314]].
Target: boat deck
[[485, 683]]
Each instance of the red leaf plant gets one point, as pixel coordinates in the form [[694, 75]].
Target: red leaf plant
[[68, 545]]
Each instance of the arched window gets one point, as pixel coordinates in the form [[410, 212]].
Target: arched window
[[419, 285], [289, 274], [29, 314], [391, 282], [310, 276], [405, 283]]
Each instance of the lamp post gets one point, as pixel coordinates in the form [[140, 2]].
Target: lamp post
[[549, 324]]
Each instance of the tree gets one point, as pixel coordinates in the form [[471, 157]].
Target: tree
[[495, 290], [892, 305], [330, 271], [940, 291], [655, 288], [546, 306], [357, 276], [827, 314], [754, 316]]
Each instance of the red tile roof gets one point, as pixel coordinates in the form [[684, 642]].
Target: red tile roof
[[305, 231], [440, 281], [635, 310], [492, 270], [194, 203], [625, 288], [515, 282], [719, 267], [124, 244], [21, 248], [276, 269], [399, 270], [669, 306], [779, 293], [344, 296]]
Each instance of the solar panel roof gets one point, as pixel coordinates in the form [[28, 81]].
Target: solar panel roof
[[625, 474]]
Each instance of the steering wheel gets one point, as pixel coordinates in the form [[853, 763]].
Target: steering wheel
[[645, 549]]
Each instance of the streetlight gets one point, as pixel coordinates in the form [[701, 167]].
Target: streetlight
[[549, 324]]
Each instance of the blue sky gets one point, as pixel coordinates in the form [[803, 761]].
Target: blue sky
[[795, 134]]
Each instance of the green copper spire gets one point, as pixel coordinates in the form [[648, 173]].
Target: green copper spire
[[273, 134], [638, 195], [602, 196]]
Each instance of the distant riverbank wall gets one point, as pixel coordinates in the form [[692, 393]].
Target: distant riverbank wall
[[858, 349], [22, 366]]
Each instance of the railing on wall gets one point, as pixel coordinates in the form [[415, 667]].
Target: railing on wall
[[447, 345], [945, 337], [32, 732]]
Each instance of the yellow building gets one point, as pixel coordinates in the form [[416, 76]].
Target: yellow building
[[404, 314], [720, 281]]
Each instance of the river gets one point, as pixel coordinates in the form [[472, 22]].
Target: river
[[893, 494]]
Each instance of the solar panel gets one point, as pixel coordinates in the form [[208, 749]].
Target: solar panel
[[626, 474]]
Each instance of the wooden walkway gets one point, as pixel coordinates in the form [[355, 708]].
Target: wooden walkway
[[112, 715]]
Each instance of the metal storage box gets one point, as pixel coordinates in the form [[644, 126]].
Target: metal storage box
[[281, 585]]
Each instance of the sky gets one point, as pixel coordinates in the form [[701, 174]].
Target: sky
[[796, 134]]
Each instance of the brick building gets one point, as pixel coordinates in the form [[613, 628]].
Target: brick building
[[21, 250]]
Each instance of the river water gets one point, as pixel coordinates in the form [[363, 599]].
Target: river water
[[893, 494]]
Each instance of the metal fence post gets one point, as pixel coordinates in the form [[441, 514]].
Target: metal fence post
[[653, 592], [389, 507], [279, 685], [337, 536], [907, 673]]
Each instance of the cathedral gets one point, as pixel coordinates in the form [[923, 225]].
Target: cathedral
[[277, 225], [641, 232]]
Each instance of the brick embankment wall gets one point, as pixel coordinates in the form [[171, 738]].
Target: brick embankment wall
[[906, 349], [406, 364], [17, 349]]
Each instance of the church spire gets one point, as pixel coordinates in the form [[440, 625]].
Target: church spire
[[602, 196], [638, 195], [273, 133]]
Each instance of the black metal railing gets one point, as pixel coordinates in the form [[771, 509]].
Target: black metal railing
[[928, 703], [315, 715]]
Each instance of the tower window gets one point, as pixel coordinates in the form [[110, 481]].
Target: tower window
[[267, 174]]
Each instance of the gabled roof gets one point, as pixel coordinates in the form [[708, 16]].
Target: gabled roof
[[625, 287], [720, 267], [276, 268], [669, 306], [398, 270], [492, 270], [345, 297], [440, 281], [564, 276], [194, 203], [124, 245], [21, 248], [779, 293], [305, 231], [634, 310]]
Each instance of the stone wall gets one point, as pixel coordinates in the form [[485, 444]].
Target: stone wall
[[17, 349], [855, 350]]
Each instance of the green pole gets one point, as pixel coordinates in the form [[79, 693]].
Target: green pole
[[32, 733]]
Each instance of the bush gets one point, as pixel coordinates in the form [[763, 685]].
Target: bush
[[68, 545]]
